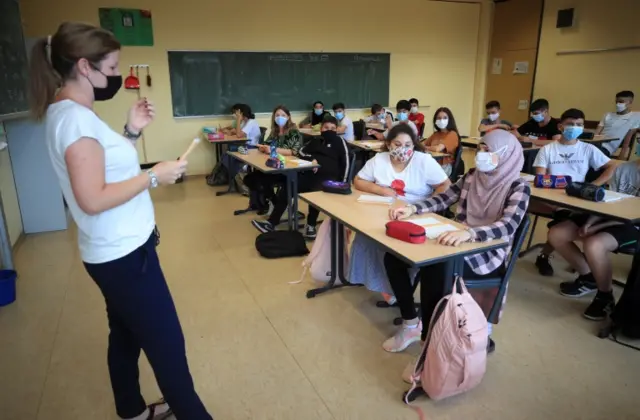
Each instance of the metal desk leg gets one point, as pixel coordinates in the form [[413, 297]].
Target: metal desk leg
[[232, 176], [337, 262], [290, 196]]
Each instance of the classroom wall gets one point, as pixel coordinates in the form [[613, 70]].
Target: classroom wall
[[588, 81], [9, 195], [514, 38], [434, 50]]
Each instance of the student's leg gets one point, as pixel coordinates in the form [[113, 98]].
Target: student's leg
[[279, 207], [562, 237], [597, 249], [542, 261], [141, 310], [409, 333], [312, 218]]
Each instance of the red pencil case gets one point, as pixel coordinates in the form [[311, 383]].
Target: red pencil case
[[406, 231]]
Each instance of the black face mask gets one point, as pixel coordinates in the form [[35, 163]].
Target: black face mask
[[114, 83]]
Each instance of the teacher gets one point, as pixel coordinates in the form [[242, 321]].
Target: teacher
[[108, 196]]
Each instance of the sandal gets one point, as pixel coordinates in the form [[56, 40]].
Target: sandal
[[152, 411]]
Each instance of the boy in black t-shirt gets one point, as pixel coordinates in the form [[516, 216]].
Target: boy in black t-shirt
[[541, 128]]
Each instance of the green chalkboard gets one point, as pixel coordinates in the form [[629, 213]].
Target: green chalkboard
[[13, 61], [207, 82]]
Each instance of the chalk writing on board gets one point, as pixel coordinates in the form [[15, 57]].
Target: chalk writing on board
[[13, 60], [365, 58], [286, 57]]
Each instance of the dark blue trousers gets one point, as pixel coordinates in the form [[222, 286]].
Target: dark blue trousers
[[142, 316]]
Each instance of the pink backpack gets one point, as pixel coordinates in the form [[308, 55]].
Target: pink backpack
[[318, 262], [454, 357]]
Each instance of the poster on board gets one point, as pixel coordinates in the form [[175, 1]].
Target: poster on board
[[131, 27]]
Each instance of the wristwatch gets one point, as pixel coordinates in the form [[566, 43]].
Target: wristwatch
[[153, 178], [131, 136]]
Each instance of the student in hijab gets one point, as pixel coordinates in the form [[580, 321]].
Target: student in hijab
[[328, 150], [492, 201], [316, 116]]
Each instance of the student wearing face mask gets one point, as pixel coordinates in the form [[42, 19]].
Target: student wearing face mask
[[492, 201], [288, 141], [332, 154], [403, 109], [622, 125], [108, 197], [380, 115], [493, 120], [569, 157], [402, 171], [541, 128], [415, 116], [345, 125], [445, 137], [316, 116]]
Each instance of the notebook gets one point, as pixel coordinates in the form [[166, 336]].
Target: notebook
[[425, 221], [375, 199], [434, 231], [300, 162], [610, 196]]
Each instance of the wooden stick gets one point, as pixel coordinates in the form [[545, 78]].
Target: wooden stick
[[192, 146]]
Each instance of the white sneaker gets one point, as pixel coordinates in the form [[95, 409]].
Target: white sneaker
[[403, 338]]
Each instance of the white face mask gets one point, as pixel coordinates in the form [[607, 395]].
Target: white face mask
[[621, 106], [442, 124], [485, 161], [494, 116], [414, 109]]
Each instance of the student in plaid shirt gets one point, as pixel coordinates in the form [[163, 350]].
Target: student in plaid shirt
[[492, 201]]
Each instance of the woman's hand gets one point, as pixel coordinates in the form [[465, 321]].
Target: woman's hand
[[168, 172], [140, 115], [263, 148], [454, 238], [401, 213]]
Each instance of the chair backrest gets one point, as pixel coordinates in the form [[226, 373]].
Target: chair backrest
[[421, 131], [458, 164], [518, 240], [263, 132], [587, 135], [352, 166], [359, 129]]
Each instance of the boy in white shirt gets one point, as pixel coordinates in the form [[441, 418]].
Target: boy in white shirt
[[345, 127], [622, 124], [569, 157], [403, 109], [378, 115]]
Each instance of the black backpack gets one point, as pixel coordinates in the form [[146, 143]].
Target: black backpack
[[625, 318], [281, 243], [219, 175]]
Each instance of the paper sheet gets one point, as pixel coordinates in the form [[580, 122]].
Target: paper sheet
[[529, 178], [300, 162], [366, 198], [425, 221], [610, 196], [434, 231]]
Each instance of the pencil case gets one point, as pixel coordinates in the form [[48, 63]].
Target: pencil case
[[335, 187], [585, 191], [274, 163], [552, 181], [406, 231]]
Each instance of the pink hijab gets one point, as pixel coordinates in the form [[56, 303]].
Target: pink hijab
[[488, 190]]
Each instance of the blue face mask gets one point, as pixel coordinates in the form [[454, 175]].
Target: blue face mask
[[339, 115], [572, 132], [281, 121], [403, 116], [318, 112], [538, 117]]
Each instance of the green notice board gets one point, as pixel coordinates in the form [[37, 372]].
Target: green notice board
[[131, 26], [208, 82]]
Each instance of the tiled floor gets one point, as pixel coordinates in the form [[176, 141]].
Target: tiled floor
[[259, 349]]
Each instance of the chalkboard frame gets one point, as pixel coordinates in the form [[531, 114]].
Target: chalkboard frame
[[21, 44], [266, 113]]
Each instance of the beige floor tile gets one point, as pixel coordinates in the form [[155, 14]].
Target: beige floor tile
[[259, 349]]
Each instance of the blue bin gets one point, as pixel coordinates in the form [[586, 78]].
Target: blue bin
[[7, 286]]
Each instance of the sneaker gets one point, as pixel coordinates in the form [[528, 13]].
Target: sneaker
[[310, 232], [581, 286], [403, 338], [262, 225], [544, 267], [600, 307]]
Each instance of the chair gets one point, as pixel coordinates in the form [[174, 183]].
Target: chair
[[263, 132], [359, 129], [457, 168], [421, 131], [501, 282], [352, 166]]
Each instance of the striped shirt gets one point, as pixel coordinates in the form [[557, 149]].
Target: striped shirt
[[515, 209]]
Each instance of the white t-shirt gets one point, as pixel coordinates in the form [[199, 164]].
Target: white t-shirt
[[348, 132], [376, 119], [113, 233], [409, 123], [573, 160], [252, 130], [414, 183], [617, 126]]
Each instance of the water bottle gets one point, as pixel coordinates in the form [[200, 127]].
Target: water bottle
[[274, 152]]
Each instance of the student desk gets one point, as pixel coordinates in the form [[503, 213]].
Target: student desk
[[376, 146], [375, 126], [472, 142], [369, 220], [258, 160]]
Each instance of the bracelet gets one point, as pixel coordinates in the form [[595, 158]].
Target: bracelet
[[132, 136], [413, 208]]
